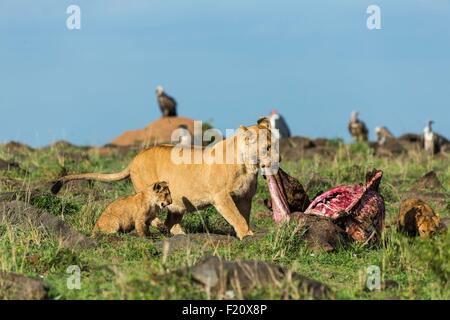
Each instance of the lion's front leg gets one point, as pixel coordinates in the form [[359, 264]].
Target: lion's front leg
[[245, 207], [225, 205]]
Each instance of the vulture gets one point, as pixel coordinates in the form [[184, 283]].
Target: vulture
[[357, 128], [383, 134], [167, 104], [277, 122], [433, 142]]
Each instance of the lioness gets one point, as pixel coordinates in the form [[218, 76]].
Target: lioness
[[417, 218], [228, 186], [136, 211]]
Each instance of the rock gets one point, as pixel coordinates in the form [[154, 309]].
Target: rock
[[22, 214], [115, 150], [445, 148], [62, 144], [78, 187], [327, 152], [17, 150], [429, 189], [323, 142], [19, 195], [438, 198], [75, 156], [444, 225], [296, 142], [389, 285], [157, 132], [18, 287], [10, 183], [296, 148], [14, 147], [411, 138], [429, 182], [385, 285], [27, 192], [390, 148], [242, 276], [10, 165], [293, 148], [320, 233], [446, 221]]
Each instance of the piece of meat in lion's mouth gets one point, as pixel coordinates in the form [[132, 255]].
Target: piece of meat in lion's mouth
[[280, 206]]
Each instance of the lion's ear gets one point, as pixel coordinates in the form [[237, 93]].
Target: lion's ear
[[243, 132], [243, 128], [248, 135], [264, 122]]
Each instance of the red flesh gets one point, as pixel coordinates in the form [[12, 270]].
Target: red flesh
[[332, 203], [362, 205]]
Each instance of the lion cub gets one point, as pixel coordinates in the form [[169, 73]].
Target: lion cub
[[417, 218], [137, 211]]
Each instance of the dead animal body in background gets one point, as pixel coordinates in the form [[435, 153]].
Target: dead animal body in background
[[357, 209]]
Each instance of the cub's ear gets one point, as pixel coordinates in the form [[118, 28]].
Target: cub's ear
[[264, 122], [157, 187], [164, 184]]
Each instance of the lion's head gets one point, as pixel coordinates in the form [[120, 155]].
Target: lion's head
[[258, 146]]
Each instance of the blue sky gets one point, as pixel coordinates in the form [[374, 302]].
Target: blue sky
[[230, 61]]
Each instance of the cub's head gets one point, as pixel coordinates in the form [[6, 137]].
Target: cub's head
[[427, 224], [161, 192]]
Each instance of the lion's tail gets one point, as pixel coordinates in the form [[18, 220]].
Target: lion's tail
[[90, 176]]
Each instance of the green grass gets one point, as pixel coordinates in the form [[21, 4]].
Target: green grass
[[128, 267]]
